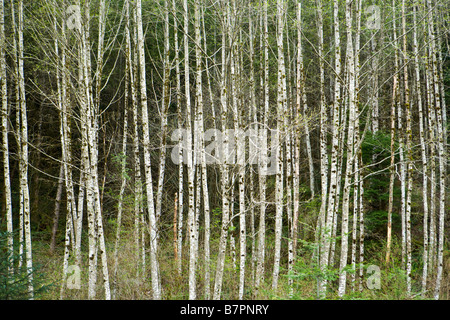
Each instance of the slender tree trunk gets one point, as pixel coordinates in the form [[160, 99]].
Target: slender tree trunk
[[323, 124], [432, 149], [440, 149], [5, 142], [139, 218], [350, 149], [164, 114], [395, 98], [327, 232], [408, 152], [281, 106], [180, 151], [57, 208], [253, 124], [201, 143], [241, 162], [423, 152], [224, 160], [190, 169], [18, 131], [156, 284], [123, 156], [24, 151], [263, 154]]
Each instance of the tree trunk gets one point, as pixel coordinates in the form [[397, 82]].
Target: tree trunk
[[350, 148], [156, 284], [5, 142]]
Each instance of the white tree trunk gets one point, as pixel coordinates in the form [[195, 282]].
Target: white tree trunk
[[334, 177], [190, 170], [180, 151], [224, 162], [164, 114], [423, 152], [281, 106], [409, 154], [156, 284], [24, 151], [350, 149], [323, 124], [5, 143], [441, 151], [263, 154]]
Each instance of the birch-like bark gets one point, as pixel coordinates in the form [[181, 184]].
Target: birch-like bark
[[302, 100], [375, 89], [342, 146], [423, 151], [24, 150], [431, 120], [402, 176], [180, 151], [190, 170], [441, 151], [18, 126], [359, 173], [281, 107], [85, 119], [123, 156], [395, 99], [259, 278], [92, 114], [139, 217], [253, 124], [408, 152], [200, 135], [65, 132], [164, 114], [156, 283], [241, 160], [350, 148], [323, 124], [331, 211], [57, 208], [5, 142], [224, 157]]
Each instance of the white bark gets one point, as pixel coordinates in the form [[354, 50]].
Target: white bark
[[395, 99], [331, 211], [139, 218], [224, 163], [323, 123], [350, 149], [180, 151], [422, 150], [23, 132], [259, 278], [409, 154], [156, 284], [200, 136], [441, 151], [281, 106], [123, 156], [5, 143], [190, 170], [164, 114]]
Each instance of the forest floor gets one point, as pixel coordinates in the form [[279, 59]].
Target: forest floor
[[388, 284]]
